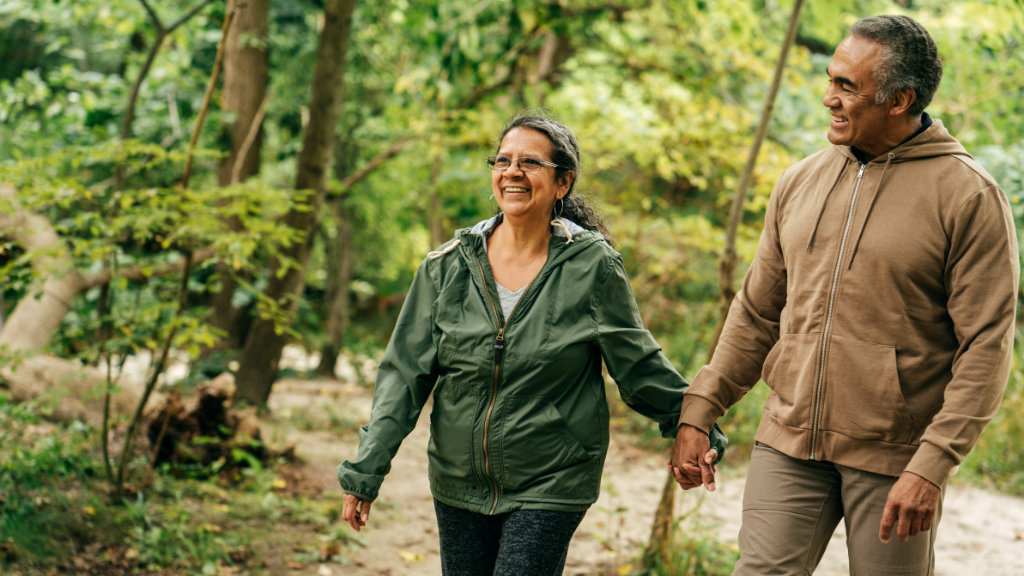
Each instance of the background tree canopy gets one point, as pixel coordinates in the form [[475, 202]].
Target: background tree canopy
[[99, 101]]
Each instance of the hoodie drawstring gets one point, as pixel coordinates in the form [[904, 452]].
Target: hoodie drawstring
[[867, 214], [438, 253], [558, 222], [824, 203]]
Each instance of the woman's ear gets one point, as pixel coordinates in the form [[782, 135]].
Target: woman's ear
[[566, 184]]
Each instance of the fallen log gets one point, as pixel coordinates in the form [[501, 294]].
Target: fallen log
[[76, 390]]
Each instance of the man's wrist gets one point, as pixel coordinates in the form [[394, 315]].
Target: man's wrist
[[698, 412]]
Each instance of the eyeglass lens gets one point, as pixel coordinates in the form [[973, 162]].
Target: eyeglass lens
[[526, 164]]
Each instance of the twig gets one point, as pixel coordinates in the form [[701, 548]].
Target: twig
[[209, 92], [157, 370], [374, 163], [187, 16], [250, 138], [137, 274], [727, 266]]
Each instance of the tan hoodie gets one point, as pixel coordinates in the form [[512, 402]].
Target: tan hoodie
[[879, 309]]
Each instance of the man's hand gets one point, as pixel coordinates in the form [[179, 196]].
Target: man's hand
[[691, 459], [355, 511], [910, 508]]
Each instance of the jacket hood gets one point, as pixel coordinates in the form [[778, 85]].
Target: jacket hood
[[935, 141], [567, 239]]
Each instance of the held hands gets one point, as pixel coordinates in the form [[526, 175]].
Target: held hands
[[910, 508], [691, 459], [355, 511]]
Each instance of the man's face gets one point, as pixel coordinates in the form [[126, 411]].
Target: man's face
[[856, 119]]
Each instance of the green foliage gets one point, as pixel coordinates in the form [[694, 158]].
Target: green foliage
[[37, 517]]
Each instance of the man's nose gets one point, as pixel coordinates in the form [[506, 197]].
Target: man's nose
[[830, 100]]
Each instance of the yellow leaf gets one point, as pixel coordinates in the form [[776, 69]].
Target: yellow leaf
[[279, 483], [220, 507], [624, 569], [127, 331], [411, 556], [90, 510]]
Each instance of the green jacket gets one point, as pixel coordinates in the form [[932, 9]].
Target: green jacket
[[520, 418]]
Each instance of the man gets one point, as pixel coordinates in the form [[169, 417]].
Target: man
[[879, 309]]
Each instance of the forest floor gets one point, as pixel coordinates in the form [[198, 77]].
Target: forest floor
[[981, 532]]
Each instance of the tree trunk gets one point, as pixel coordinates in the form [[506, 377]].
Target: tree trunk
[[258, 366], [246, 69], [339, 276], [435, 216], [661, 540], [339, 254]]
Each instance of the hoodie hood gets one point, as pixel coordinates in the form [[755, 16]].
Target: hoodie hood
[[935, 141]]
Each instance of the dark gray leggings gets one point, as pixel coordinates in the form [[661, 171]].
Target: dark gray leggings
[[531, 542]]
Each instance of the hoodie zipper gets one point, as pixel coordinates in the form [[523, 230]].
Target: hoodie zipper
[[828, 317], [499, 348]]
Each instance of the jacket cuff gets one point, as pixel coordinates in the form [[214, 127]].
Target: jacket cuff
[[698, 412], [362, 486], [932, 463]]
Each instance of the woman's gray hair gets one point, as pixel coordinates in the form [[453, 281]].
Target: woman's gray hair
[[911, 59], [565, 151]]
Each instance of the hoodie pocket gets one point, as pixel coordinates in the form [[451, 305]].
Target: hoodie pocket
[[862, 397], [790, 370], [536, 444]]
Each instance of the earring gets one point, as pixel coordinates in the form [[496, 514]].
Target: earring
[[561, 206], [494, 208]]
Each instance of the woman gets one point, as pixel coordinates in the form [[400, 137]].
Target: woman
[[511, 319]]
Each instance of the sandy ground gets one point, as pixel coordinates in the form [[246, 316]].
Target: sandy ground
[[981, 533]]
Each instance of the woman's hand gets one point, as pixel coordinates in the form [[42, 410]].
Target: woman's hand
[[691, 459], [355, 511]]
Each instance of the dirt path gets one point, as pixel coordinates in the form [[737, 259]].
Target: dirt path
[[981, 533]]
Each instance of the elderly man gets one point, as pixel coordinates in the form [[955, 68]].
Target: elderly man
[[879, 310]]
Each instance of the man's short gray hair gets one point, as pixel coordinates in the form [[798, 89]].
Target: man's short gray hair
[[910, 60]]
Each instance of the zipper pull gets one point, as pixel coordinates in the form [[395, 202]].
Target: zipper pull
[[499, 346]]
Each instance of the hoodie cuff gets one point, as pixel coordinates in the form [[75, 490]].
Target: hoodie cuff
[[698, 412], [932, 463]]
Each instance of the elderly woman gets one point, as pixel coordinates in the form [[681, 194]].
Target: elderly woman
[[511, 320]]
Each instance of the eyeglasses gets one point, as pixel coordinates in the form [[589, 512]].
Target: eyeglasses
[[525, 163]]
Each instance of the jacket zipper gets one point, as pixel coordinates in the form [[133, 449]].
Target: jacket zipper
[[499, 347], [828, 317]]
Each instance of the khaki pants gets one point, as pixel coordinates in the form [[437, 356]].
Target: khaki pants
[[791, 507]]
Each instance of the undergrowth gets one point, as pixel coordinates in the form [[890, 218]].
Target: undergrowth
[[56, 512]]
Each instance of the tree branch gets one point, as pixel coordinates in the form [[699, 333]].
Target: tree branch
[[250, 138], [374, 164], [209, 92], [152, 15], [137, 274], [512, 54], [188, 15]]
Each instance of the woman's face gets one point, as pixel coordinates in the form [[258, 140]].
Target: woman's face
[[521, 193]]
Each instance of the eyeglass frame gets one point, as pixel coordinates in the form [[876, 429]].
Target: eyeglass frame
[[518, 163]]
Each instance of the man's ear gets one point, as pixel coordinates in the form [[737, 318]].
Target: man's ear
[[902, 101]]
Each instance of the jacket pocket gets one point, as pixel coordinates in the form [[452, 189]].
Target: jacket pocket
[[791, 370], [862, 397], [536, 444], [451, 436]]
